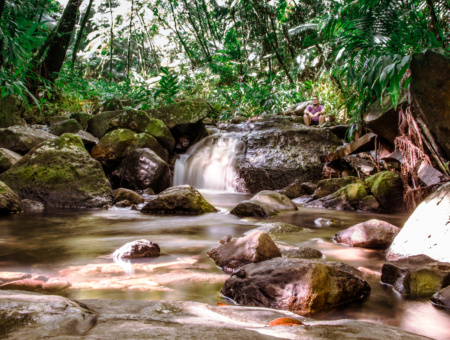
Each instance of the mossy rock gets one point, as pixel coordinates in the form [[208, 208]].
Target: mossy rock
[[65, 126], [326, 187], [11, 111], [60, 173], [9, 201], [115, 145], [346, 198], [140, 122], [99, 124], [7, 159], [184, 112], [387, 188], [179, 200], [82, 118], [22, 139]]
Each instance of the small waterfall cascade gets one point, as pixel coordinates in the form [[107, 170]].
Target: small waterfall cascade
[[209, 164]]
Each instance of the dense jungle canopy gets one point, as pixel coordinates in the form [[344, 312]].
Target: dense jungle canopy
[[247, 57]]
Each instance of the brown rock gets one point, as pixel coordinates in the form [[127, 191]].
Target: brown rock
[[126, 194], [442, 298], [137, 249], [235, 253], [370, 234], [264, 204]]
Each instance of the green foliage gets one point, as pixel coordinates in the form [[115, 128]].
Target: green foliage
[[168, 86]]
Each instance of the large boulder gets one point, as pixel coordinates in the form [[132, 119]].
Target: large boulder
[[12, 108], [60, 173], [179, 200], [264, 204], [416, 276], [139, 121], [22, 139], [303, 286], [82, 118], [275, 153], [40, 316], [430, 90], [369, 234], [387, 188], [7, 159], [326, 187], [66, 126], [99, 124], [427, 231], [115, 146], [257, 246], [142, 169], [9, 201], [349, 197], [137, 249]]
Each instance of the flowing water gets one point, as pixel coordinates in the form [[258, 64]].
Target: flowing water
[[76, 246]]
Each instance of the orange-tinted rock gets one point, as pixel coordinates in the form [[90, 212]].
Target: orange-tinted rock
[[285, 322]]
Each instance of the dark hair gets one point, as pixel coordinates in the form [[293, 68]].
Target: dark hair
[[315, 96]]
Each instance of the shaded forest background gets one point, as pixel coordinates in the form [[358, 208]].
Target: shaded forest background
[[247, 57]]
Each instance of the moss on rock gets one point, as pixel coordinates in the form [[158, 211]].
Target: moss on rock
[[60, 173], [326, 187], [387, 188], [9, 201]]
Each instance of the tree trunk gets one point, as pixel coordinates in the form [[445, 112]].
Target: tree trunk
[[129, 56], [80, 32], [56, 54], [111, 38], [434, 22], [197, 33]]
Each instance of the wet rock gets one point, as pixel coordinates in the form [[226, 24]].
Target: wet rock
[[346, 198], [7, 159], [369, 204], [293, 190], [142, 169], [65, 126], [416, 276], [98, 124], [303, 286], [12, 108], [278, 152], [144, 319], [387, 188], [82, 118], [137, 249], [115, 146], [429, 81], [22, 139], [369, 234], [126, 194], [35, 285], [179, 200], [264, 204], [277, 228], [123, 204], [326, 222], [9, 201], [30, 205], [60, 173], [88, 139], [427, 231], [327, 187], [235, 253], [30, 316], [140, 122], [442, 298], [302, 253], [309, 188]]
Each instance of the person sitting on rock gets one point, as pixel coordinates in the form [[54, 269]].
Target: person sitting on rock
[[314, 113]]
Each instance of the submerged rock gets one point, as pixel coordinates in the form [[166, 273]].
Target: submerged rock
[[60, 173], [9, 201], [137, 249], [142, 169], [264, 204], [427, 230], [416, 276], [303, 286], [179, 200], [369, 234], [237, 252], [22, 139], [276, 228]]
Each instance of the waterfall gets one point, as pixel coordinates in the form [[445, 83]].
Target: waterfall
[[209, 164]]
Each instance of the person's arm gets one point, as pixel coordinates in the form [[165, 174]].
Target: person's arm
[[321, 112], [307, 111]]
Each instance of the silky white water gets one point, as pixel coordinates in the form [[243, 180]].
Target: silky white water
[[209, 164]]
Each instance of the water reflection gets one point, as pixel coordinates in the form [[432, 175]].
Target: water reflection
[[77, 245]]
